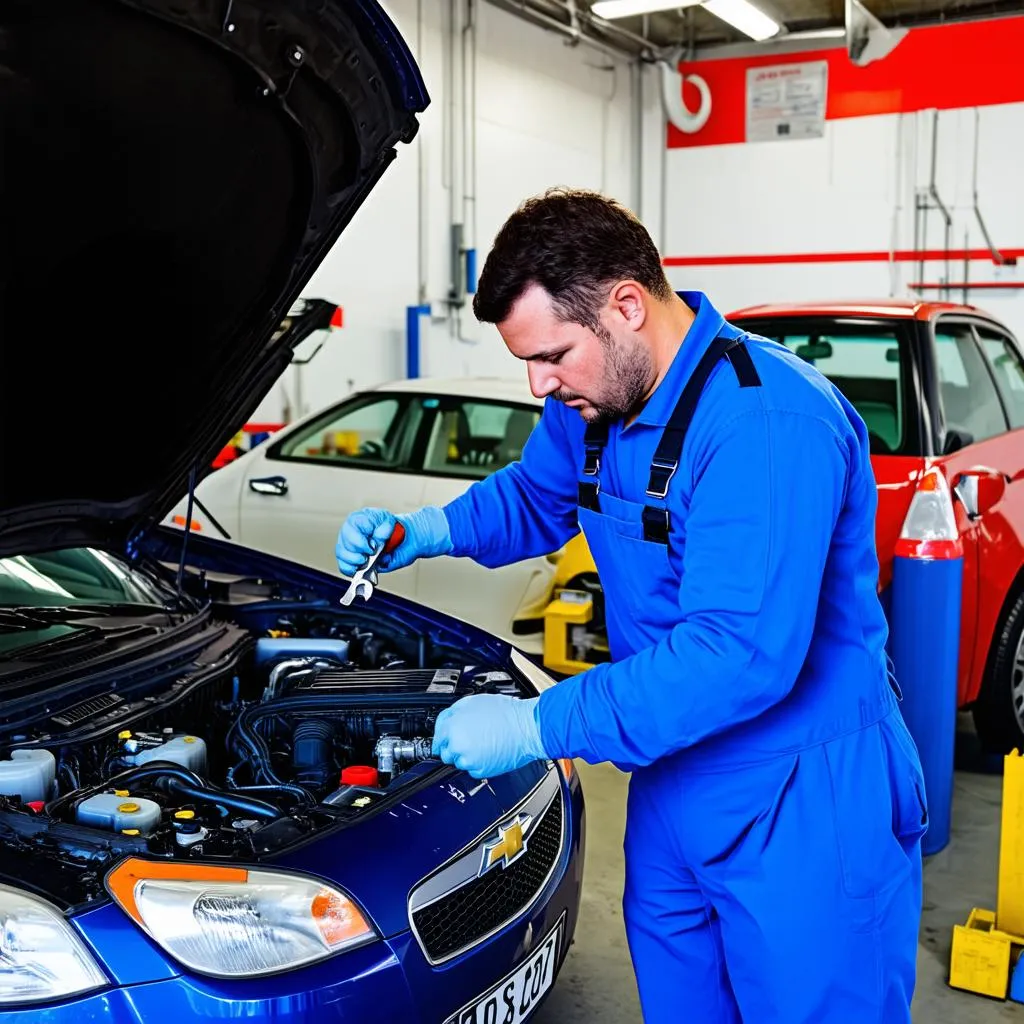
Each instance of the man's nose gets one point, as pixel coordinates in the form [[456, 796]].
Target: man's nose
[[542, 381]]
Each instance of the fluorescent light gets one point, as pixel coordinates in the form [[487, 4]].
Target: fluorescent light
[[612, 9], [745, 17]]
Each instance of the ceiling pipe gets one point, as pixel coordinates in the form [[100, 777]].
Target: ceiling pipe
[[610, 27], [575, 28], [535, 17]]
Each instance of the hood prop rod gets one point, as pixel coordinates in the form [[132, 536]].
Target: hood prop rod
[[188, 527]]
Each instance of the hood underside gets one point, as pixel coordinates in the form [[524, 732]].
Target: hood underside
[[173, 171]]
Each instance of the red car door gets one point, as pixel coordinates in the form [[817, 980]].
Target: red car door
[[984, 462], [1001, 599]]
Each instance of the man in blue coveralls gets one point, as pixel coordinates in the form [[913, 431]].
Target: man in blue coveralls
[[776, 807]]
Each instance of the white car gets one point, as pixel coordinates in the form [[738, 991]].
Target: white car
[[400, 446]]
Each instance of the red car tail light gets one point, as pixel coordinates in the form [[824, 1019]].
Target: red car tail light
[[929, 530]]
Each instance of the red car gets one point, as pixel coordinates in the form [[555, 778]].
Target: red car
[[941, 388]]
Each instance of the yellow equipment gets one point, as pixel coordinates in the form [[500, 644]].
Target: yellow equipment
[[986, 948], [574, 631]]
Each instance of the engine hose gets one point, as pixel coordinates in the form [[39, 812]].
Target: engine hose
[[300, 794], [241, 804], [245, 741], [162, 771]]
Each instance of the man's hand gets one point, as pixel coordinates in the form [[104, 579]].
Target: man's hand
[[366, 531], [488, 734]]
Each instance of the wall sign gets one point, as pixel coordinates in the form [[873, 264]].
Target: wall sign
[[787, 101]]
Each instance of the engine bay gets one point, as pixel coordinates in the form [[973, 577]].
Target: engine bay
[[275, 730]]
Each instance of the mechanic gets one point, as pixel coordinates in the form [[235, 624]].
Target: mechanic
[[776, 803]]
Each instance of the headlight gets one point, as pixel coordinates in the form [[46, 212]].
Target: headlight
[[230, 922], [41, 957], [534, 673]]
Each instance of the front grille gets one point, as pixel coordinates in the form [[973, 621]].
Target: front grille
[[483, 905]]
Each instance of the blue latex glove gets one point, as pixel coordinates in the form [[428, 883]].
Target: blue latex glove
[[488, 734], [365, 531]]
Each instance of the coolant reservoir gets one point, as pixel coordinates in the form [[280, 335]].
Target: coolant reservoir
[[108, 810], [28, 774], [188, 751]]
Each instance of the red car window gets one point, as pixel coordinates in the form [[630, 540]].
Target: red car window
[[866, 363], [1008, 370], [970, 402]]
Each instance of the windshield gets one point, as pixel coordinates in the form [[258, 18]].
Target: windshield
[[74, 576], [42, 596]]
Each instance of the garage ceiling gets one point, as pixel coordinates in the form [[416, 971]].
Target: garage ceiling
[[695, 28]]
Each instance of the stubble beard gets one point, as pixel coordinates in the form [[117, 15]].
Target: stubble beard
[[628, 371]]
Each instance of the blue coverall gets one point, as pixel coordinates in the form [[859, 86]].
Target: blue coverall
[[776, 804]]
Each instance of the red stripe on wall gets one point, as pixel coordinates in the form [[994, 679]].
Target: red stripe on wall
[[957, 285], [880, 256], [966, 64]]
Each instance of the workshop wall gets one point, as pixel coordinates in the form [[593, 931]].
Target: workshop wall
[[835, 216], [545, 114]]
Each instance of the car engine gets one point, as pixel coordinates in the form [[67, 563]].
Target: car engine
[[266, 737]]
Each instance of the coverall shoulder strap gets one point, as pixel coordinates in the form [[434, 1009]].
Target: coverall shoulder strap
[[670, 448], [595, 437]]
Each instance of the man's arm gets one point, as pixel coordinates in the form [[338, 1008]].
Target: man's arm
[[764, 507], [524, 509]]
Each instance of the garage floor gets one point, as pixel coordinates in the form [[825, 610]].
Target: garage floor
[[596, 985]]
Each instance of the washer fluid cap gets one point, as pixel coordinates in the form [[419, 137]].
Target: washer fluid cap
[[128, 808], [359, 775]]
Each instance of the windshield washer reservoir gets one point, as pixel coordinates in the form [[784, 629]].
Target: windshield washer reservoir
[[108, 810], [28, 774]]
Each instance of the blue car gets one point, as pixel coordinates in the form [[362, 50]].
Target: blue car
[[217, 793]]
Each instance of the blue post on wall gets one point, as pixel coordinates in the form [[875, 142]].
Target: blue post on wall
[[412, 338]]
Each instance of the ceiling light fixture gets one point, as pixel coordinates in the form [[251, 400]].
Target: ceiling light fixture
[[612, 9], [745, 17]]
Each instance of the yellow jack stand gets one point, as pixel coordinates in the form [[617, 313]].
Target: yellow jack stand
[[986, 948], [570, 608]]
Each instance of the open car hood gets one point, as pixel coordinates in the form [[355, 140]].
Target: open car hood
[[172, 173]]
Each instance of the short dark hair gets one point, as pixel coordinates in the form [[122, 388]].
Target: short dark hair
[[575, 244]]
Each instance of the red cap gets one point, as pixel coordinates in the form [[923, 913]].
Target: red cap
[[36, 805], [359, 775]]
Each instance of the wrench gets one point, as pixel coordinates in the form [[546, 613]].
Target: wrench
[[365, 578]]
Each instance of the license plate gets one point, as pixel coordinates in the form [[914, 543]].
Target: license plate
[[514, 997]]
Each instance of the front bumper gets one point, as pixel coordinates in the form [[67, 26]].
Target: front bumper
[[389, 980]]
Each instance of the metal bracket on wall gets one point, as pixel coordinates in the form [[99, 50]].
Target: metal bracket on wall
[[928, 199]]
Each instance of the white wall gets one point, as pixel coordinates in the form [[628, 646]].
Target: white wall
[[546, 114], [851, 191]]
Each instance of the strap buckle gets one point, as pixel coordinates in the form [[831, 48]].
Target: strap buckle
[[662, 471], [656, 524], [588, 495], [592, 460]]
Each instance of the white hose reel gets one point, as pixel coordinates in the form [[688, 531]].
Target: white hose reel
[[678, 113]]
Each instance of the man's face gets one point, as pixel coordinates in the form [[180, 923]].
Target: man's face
[[602, 375]]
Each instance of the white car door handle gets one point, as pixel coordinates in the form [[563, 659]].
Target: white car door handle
[[269, 485]]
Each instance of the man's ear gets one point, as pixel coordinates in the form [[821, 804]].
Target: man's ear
[[629, 300]]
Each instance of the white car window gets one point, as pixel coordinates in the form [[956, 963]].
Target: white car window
[[373, 431], [470, 438]]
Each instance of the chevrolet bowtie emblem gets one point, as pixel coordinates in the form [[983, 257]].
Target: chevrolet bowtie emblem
[[509, 845]]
